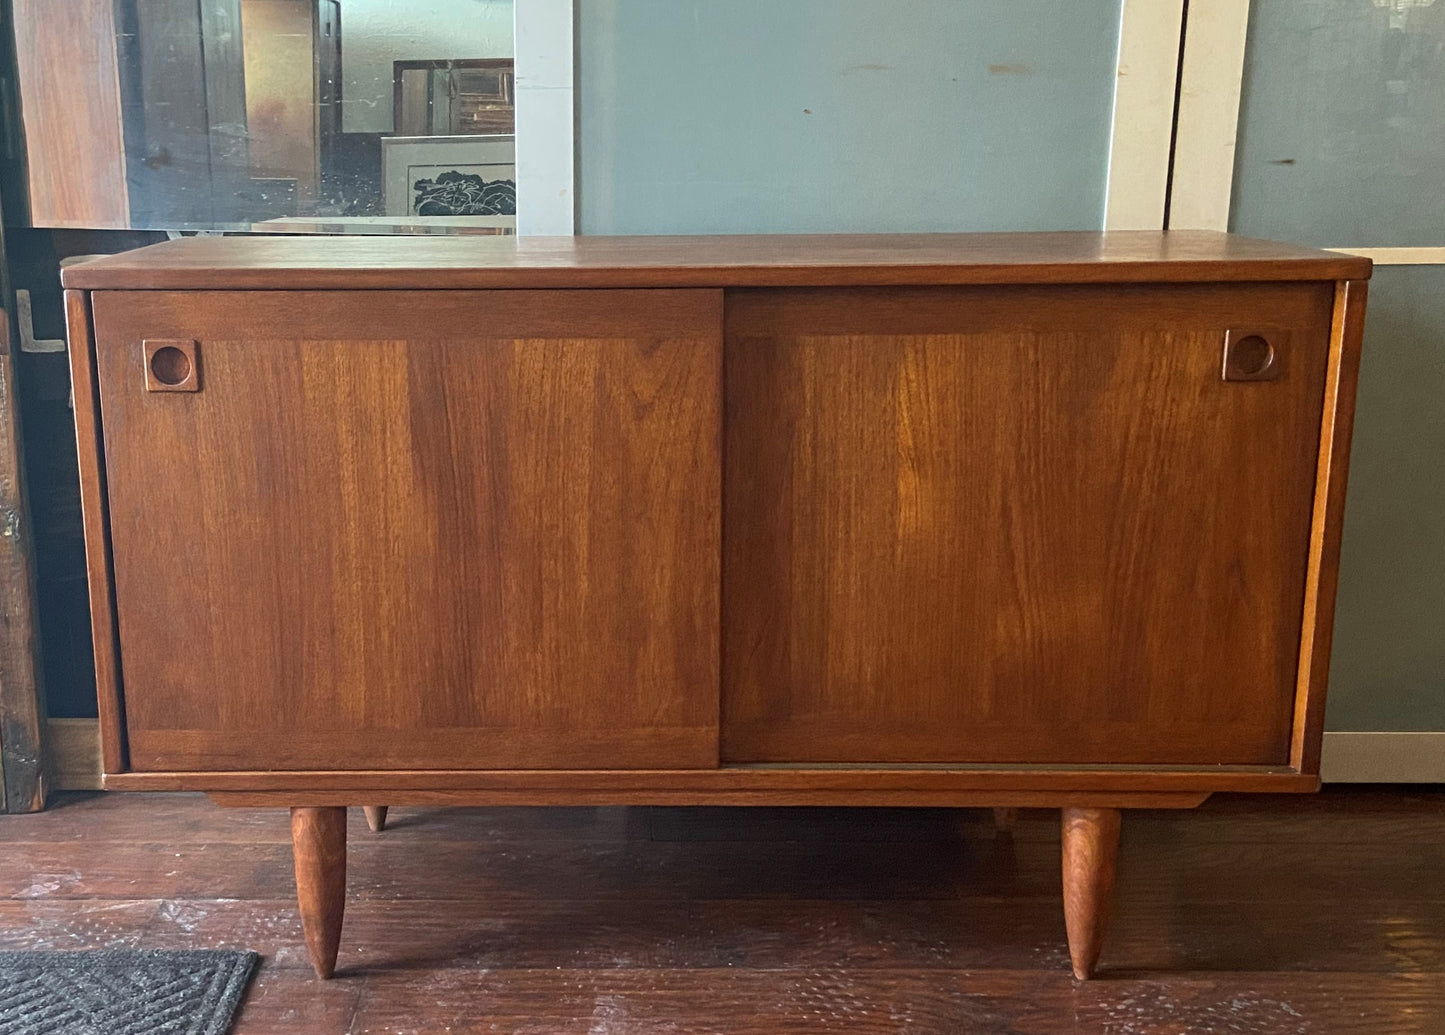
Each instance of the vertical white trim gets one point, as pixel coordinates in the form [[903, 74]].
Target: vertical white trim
[[1209, 92], [546, 157], [1143, 114]]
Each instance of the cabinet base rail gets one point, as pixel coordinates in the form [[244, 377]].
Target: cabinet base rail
[[963, 786]]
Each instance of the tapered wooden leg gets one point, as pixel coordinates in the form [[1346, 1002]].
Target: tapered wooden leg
[[1004, 820], [375, 817], [1091, 848], [318, 842]]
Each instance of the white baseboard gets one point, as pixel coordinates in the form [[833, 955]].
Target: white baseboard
[[1403, 757], [1347, 757]]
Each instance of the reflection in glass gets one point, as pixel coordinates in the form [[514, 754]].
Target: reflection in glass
[[450, 98], [381, 116]]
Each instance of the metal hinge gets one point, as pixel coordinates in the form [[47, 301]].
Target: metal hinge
[[23, 317]]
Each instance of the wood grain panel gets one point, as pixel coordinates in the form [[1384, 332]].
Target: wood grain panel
[[70, 94], [833, 260], [475, 529], [1015, 525]]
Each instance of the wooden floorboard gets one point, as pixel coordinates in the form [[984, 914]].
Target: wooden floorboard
[[1319, 914]]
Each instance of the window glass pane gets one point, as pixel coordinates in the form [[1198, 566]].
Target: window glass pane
[[299, 115], [843, 115], [1388, 670], [1342, 123]]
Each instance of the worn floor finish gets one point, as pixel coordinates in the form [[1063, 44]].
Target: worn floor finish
[[1313, 915]]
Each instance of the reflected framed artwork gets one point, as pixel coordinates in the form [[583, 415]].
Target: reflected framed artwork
[[459, 176]]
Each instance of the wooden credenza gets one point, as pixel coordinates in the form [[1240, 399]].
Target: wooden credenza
[[982, 520]]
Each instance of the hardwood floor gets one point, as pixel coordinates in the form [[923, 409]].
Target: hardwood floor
[[1312, 914]]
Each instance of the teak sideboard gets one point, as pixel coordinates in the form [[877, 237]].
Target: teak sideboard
[[1045, 520]]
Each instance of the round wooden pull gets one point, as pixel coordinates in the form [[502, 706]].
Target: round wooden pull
[[1249, 356], [170, 366]]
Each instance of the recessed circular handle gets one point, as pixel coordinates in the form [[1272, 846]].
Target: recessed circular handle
[[1252, 355], [170, 366]]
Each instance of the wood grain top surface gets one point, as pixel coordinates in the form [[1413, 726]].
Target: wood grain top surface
[[302, 263]]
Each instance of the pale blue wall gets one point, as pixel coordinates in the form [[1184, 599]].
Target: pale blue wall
[[736, 116]]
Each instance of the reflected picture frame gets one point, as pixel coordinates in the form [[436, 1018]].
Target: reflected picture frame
[[470, 178]]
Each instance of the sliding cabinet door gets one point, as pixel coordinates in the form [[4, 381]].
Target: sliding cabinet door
[[372, 530], [950, 536]]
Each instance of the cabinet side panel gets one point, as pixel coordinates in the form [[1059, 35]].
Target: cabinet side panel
[[1017, 525], [417, 529], [1338, 420], [97, 531]]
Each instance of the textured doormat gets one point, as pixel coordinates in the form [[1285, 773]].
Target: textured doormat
[[121, 992]]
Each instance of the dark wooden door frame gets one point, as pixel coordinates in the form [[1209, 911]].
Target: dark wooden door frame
[[22, 707], [22, 699]]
